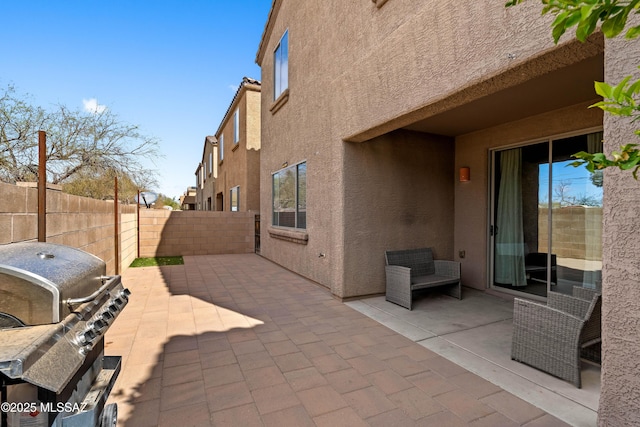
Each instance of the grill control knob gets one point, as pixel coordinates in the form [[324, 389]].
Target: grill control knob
[[118, 301], [98, 324], [113, 308], [106, 315], [124, 294], [85, 338]]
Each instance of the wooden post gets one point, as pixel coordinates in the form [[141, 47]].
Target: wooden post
[[116, 222], [138, 222], [42, 186]]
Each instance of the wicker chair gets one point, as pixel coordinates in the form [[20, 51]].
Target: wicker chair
[[551, 337], [411, 269]]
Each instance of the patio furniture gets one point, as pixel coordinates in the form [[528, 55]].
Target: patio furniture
[[411, 269], [535, 266], [551, 337]]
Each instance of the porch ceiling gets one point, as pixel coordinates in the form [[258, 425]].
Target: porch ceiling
[[561, 88]]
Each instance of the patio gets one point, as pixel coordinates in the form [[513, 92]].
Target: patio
[[238, 340]]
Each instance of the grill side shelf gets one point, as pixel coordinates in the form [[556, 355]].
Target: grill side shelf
[[21, 348]]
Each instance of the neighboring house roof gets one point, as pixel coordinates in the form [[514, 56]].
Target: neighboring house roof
[[246, 82], [211, 140]]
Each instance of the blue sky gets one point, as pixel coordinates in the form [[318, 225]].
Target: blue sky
[[169, 66]]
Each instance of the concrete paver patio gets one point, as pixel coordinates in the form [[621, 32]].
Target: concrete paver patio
[[235, 340]]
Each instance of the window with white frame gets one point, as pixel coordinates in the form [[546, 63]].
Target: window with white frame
[[236, 127], [210, 163], [221, 147], [235, 199], [290, 196], [281, 66]]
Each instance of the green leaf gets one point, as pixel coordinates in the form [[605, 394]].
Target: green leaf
[[617, 93], [603, 89], [633, 32]]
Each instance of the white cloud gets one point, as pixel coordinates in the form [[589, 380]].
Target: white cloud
[[92, 106], [233, 87]]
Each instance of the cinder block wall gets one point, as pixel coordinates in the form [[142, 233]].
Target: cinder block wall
[[171, 233], [80, 222]]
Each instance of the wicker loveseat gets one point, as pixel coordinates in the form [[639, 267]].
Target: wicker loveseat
[[411, 269], [552, 337]]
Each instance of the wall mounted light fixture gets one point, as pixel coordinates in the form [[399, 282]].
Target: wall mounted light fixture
[[465, 174]]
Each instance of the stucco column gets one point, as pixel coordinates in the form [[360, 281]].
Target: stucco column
[[620, 395]]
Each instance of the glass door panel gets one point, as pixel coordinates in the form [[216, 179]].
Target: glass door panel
[[519, 254], [576, 216], [546, 229]]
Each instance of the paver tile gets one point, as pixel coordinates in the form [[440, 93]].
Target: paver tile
[[347, 380], [295, 416], [345, 417], [305, 378], [369, 401], [237, 340], [228, 396], [245, 416], [195, 415], [513, 407], [330, 363], [464, 406], [321, 400], [275, 398], [221, 375]]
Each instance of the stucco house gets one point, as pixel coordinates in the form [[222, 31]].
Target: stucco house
[[400, 124], [206, 174], [237, 184]]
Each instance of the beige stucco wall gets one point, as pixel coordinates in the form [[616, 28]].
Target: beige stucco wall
[[404, 62], [620, 395], [241, 162], [398, 193]]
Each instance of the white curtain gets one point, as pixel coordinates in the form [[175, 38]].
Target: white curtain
[[509, 268]]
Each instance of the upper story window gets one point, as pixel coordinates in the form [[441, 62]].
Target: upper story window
[[221, 147], [281, 66], [236, 127], [210, 163], [290, 196]]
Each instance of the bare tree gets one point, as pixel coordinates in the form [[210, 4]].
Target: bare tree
[[78, 143]]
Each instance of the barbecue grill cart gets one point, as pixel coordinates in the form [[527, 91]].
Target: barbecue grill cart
[[56, 304]]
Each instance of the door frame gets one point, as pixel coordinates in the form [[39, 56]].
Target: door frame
[[492, 151]]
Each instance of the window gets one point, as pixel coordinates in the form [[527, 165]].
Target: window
[[221, 147], [210, 163], [281, 66], [235, 199], [290, 196], [236, 127]]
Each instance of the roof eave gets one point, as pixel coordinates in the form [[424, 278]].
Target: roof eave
[[268, 28]]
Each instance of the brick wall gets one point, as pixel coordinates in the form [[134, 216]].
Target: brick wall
[[169, 233], [577, 232], [80, 222], [88, 224]]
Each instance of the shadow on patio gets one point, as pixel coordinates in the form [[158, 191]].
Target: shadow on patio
[[238, 340]]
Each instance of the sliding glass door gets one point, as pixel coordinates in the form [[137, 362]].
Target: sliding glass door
[[546, 217]]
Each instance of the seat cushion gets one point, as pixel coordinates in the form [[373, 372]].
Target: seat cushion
[[431, 280]]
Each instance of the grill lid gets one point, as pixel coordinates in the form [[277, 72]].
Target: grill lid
[[36, 278]]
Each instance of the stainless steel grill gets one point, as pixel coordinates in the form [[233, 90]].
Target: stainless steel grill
[[56, 303]]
